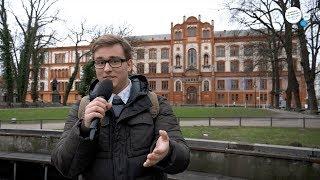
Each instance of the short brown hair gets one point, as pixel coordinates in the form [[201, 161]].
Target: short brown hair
[[109, 40]]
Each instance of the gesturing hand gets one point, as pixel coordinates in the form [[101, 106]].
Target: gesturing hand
[[160, 151]]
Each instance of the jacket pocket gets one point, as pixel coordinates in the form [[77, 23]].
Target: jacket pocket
[[141, 132]]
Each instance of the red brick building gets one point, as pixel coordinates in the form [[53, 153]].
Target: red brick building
[[192, 65]]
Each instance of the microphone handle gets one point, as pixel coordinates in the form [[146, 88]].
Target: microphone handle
[[93, 128]]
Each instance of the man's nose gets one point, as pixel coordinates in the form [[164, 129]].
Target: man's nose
[[107, 67]]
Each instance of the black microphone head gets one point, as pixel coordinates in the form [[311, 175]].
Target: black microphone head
[[102, 89]]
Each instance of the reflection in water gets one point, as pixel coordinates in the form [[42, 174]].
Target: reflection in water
[[252, 167]]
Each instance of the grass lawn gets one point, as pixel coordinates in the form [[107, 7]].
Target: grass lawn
[[266, 135], [34, 113], [62, 112], [221, 112]]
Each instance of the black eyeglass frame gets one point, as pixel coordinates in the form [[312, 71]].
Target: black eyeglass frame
[[105, 61]]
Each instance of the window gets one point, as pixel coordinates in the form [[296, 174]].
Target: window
[[220, 97], [249, 97], [164, 53], [153, 68], [165, 67], [140, 68], [263, 97], [140, 54], [220, 66], [220, 84], [220, 50], [248, 66], [178, 58], [248, 50], [152, 85], [234, 97], [152, 54], [178, 35], [206, 60], [206, 33], [41, 86], [59, 58], [234, 84], [42, 73], [164, 85], [192, 57], [263, 84], [234, 66], [178, 86], [206, 86], [234, 50], [248, 84], [191, 31]]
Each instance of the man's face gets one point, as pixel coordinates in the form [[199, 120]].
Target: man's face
[[118, 74]]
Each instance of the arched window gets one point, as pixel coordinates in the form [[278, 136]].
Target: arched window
[[178, 86], [178, 59], [164, 53], [140, 68], [206, 85], [206, 60], [192, 31], [192, 57]]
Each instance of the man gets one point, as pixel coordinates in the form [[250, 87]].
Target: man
[[129, 145]]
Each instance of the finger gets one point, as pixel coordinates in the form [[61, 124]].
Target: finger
[[100, 99], [158, 151], [146, 163], [96, 103], [153, 157], [109, 106], [92, 115], [97, 109], [164, 135]]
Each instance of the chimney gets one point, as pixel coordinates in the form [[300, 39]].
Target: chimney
[[171, 25], [184, 18], [199, 17], [212, 22]]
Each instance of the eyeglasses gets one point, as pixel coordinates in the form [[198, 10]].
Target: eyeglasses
[[113, 61]]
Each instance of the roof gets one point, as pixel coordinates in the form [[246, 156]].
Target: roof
[[154, 37]]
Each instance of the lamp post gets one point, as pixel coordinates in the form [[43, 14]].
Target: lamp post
[[255, 96]]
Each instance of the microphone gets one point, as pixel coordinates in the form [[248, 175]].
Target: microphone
[[103, 89]]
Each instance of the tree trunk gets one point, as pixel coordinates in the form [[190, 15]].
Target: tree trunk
[[72, 78], [309, 74]]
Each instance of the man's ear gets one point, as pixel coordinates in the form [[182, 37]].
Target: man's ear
[[130, 65]]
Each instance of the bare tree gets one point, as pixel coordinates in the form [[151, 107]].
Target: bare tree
[[85, 35], [313, 31], [260, 17], [269, 14], [37, 59], [37, 18]]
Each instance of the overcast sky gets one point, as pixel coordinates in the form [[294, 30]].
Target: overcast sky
[[145, 16]]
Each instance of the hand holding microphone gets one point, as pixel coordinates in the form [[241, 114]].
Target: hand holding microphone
[[95, 110]]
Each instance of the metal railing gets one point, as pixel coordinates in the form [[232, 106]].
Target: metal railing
[[300, 122]]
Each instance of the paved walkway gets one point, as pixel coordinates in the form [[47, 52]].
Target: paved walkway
[[280, 118]]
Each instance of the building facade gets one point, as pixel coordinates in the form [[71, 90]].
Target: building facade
[[192, 65]]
